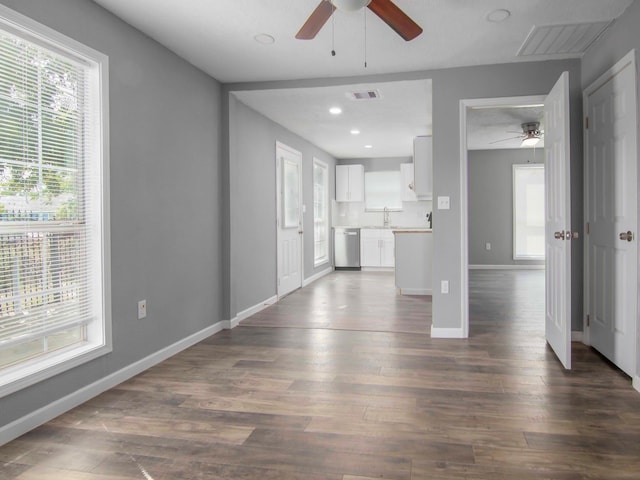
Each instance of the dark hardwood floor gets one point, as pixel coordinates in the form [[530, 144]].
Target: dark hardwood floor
[[341, 381]]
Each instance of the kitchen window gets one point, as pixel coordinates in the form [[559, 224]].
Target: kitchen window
[[54, 230], [528, 212], [320, 212], [383, 190]]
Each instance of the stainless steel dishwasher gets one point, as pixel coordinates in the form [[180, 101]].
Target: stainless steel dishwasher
[[346, 248]]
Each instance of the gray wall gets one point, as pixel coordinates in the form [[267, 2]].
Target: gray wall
[[165, 195], [253, 204], [614, 44], [449, 87], [491, 204], [377, 164]]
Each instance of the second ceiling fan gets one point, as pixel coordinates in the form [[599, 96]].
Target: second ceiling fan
[[399, 21]]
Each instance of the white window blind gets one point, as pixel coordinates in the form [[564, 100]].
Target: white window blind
[[528, 212], [320, 212], [51, 205], [383, 190]]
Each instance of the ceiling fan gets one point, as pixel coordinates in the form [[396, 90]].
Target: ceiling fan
[[385, 9], [531, 135]]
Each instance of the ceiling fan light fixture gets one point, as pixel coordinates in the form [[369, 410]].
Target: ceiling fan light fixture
[[530, 141], [350, 5]]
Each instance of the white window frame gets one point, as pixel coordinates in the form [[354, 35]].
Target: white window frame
[[99, 337], [323, 219], [516, 168], [383, 191]]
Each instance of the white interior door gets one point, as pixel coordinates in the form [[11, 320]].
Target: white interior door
[[558, 221], [289, 219], [612, 199]]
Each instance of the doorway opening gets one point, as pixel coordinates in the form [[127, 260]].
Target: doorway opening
[[491, 145]]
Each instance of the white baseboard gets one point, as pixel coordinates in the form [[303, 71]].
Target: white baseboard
[[243, 315], [636, 383], [506, 267], [34, 419], [317, 276], [415, 291], [577, 336], [447, 332]]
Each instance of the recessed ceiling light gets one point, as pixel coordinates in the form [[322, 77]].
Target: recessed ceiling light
[[355, 131], [335, 110], [264, 39], [368, 146], [499, 15]]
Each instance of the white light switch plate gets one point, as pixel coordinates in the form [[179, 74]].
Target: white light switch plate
[[444, 286], [142, 309], [443, 203]]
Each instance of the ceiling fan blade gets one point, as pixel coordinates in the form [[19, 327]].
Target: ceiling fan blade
[[316, 20], [395, 18], [506, 139]]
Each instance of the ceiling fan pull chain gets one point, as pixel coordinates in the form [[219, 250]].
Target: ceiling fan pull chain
[[365, 37], [333, 34]]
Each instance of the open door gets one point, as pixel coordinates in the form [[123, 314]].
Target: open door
[[612, 214], [558, 233], [289, 219]]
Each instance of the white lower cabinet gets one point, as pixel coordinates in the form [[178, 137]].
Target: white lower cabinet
[[377, 247]]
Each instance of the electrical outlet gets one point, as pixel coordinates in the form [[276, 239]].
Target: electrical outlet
[[142, 309], [444, 286], [443, 203], [487, 246]]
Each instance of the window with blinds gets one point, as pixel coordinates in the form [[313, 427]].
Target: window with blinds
[[528, 212], [52, 269], [320, 212]]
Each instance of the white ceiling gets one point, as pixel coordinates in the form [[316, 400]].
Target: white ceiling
[[500, 127], [217, 36], [388, 123]]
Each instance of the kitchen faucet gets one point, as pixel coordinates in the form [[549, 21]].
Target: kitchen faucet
[[386, 217]]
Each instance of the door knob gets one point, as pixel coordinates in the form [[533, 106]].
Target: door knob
[[559, 235], [628, 236]]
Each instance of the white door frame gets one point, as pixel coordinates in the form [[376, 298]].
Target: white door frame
[[280, 145], [465, 104], [629, 60]]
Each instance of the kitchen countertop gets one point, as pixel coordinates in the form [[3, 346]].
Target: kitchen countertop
[[412, 230], [394, 228]]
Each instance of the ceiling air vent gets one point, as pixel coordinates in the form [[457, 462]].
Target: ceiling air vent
[[569, 39], [364, 95]]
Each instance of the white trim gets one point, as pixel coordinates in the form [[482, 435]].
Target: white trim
[[577, 336], [636, 383], [447, 332], [415, 291], [506, 267], [244, 314], [317, 276], [34, 419], [378, 269], [464, 207]]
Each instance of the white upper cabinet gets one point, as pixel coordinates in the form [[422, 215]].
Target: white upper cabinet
[[406, 176], [349, 183], [423, 167]]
